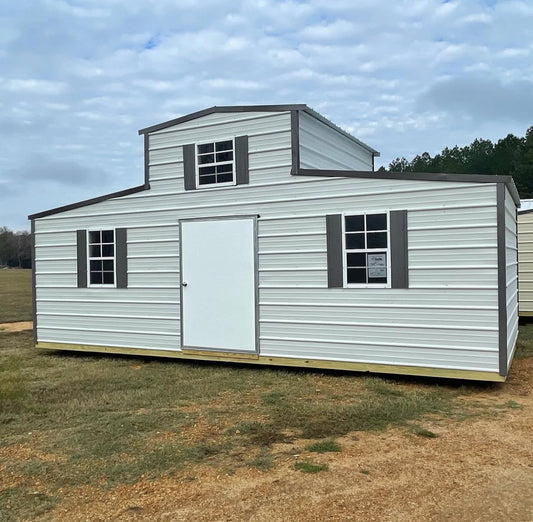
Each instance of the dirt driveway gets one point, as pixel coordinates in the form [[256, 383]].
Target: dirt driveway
[[479, 469]]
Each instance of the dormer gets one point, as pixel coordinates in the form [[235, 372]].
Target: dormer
[[247, 145]]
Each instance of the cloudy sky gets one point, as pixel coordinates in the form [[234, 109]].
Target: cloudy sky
[[78, 78]]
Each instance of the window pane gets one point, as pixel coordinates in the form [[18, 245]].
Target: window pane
[[109, 278], [225, 178], [96, 278], [107, 265], [208, 147], [356, 259], [354, 223], [107, 236], [376, 222], [207, 158], [95, 251], [356, 275], [206, 180], [108, 250], [224, 145], [225, 156], [355, 241], [207, 170], [94, 236], [96, 265], [377, 239], [224, 168]]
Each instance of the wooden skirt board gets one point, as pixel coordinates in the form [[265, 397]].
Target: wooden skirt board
[[218, 284], [420, 371]]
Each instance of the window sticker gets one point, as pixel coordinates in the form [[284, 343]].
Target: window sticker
[[377, 265]]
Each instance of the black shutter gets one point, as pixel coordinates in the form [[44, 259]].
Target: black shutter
[[398, 249], [189, 166], [121, 257], [334, 249], [81, 248], [242, 174]]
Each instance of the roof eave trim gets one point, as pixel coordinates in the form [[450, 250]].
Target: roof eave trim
[[88, 202], [417, 176], [222, 108]]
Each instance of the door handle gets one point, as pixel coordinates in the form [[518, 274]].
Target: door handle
[[184, 283]]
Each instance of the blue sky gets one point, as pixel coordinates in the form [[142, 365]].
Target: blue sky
[[79, 78]]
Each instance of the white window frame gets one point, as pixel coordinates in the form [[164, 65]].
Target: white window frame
[[102, 258], [365, 251], [232, 162]]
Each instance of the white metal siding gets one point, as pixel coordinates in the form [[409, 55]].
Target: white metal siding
[[511, 260], [446, 319], [269, 145], [321, 147]]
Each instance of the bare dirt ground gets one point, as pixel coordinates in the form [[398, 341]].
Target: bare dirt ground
[[479, 469], [16, 327]]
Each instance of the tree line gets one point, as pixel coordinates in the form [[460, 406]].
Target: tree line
[[15, 248], [511, 156]]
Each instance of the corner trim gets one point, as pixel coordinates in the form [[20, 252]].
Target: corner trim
[[146, 160], [33, 282], [295, 141], [502, 279]]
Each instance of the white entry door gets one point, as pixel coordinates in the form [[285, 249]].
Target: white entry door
[[218, 284]]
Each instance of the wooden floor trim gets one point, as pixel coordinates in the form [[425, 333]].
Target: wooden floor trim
[[281, 361]]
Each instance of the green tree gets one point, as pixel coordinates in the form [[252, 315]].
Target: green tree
[[15, 248], [523, 171], [509, 156], [7, 246]]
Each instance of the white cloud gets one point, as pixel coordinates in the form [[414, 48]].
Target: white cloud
[[33, 86], [77, 78]]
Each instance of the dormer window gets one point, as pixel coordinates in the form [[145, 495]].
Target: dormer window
[[215, 162]]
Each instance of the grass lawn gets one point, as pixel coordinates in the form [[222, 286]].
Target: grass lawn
[[15, 295], [69, 419]]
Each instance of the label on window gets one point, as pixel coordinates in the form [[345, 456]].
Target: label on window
[[377, 265]]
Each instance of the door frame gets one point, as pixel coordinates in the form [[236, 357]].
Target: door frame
[[254, 218]]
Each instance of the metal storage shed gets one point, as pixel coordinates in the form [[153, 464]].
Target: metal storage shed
[[525, 258], [262, 234]]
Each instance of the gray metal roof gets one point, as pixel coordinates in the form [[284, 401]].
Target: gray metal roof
[[256, 108]]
